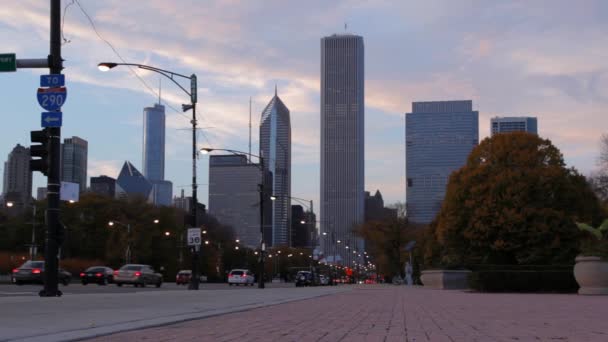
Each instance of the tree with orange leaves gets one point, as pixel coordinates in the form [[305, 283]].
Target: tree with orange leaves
[[514, 202]]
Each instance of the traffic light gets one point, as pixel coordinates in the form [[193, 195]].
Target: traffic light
[[41, 151]]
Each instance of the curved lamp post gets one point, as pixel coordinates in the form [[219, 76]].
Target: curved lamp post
[[208, 150], [128, 226], [106, 66]]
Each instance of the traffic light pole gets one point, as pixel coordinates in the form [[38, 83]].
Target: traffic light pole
[[53, 181]]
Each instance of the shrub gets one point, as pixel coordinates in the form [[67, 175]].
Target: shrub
[[11, 260]]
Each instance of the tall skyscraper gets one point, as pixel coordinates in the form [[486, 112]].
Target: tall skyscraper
[[154, 143], [234, 197], [275, 147], [439, 137], [154, 155], [342, 144], [514, 124], [17, 176], [74, 153]]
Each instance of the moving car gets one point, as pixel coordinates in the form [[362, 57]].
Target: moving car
[[138, 275], [101, 275], [241, 276], [306, 278], [32, 272], [183, 277]]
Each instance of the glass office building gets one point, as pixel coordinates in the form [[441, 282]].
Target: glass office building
[[275, 147], [439, 137]]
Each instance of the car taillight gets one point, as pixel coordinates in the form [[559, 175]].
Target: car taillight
[[115, 273], [36, 271], [137, 274], [81, 274], [98, 274], [230, 276], [15, 270]]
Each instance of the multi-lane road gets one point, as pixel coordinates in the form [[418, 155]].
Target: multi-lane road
[[77, 288]]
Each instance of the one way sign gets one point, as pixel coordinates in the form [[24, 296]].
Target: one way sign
[[51, 119]]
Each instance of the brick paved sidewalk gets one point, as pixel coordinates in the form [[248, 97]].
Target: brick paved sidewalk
[[388, 313]]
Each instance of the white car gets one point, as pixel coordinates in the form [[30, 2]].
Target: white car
[[240, 276]]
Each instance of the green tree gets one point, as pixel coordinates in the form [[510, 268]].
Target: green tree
[[514, 202]]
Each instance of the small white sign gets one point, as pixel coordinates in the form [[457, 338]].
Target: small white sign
[[69, 192], [194, 236]]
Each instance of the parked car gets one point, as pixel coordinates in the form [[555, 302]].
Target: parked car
[[138, 275], [101, 275], [32, 272], [307, 278], [241, 276]]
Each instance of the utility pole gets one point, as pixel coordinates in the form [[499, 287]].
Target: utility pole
[[54, 228], [51, 96]]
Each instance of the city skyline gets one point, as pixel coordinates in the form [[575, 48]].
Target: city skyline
[[561, 86]]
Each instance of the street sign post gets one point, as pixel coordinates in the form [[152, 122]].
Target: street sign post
[[56, 80], [194, 236], [52, 99], [51, 119], [8, 62]]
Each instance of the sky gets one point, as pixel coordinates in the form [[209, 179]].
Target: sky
[[512, 58]]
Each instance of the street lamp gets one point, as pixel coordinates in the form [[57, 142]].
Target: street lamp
[[128, 250], [33, 246], [261, 185], [106, 66]]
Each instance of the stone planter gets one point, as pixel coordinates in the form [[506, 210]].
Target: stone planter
[[591, 273], [446, 279]]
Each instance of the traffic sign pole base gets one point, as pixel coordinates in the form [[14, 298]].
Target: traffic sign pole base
[[44, 293]]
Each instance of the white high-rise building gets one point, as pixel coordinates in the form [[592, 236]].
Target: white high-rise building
[[234, 197], [342, 146]]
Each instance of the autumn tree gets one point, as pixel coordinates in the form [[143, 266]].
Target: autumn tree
[[385, 241], [514, 202]]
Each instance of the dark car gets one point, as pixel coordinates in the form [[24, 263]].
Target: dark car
[[32, 272], [138, 275], [306, 278], [101, 275]]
